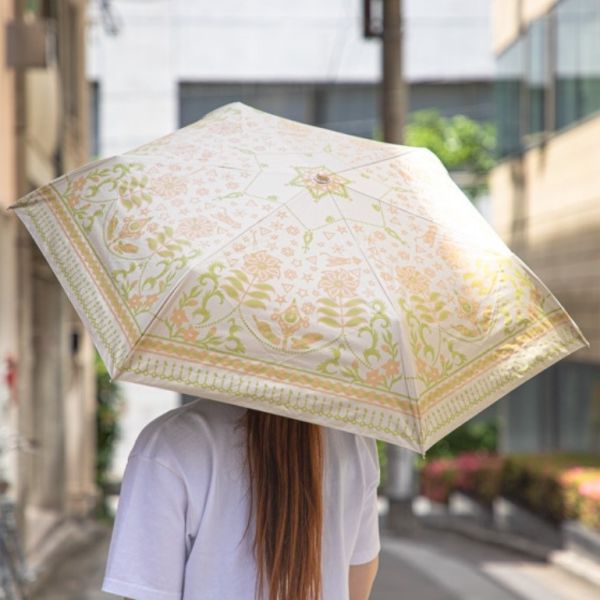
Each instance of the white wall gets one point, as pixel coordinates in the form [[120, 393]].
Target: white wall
[[448, 40], [162, 42]]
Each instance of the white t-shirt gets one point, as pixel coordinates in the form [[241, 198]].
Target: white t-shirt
[[184, 507]]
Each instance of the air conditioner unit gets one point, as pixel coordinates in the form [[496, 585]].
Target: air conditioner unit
[[31, 43]]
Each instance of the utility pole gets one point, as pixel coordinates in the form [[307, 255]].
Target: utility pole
[[401, 473], [393, 106]]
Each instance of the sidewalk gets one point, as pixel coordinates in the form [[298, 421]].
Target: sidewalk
[[80, 573], [433, 564], [427, 564]]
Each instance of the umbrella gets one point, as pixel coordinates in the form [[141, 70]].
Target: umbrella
[[254, 260]]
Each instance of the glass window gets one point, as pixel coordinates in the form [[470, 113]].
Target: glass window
[[577, 60], [508, 95], [537, 75]]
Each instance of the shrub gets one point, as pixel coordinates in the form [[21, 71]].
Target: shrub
[[479, 475], [556, 486], [438, 479], [581, 493], [108, 407], [538, 483], [472, 436], [474, 473]]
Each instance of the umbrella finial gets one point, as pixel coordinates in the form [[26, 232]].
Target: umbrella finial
[[322, 178]]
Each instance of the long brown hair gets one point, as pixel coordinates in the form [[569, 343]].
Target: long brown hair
[[285, 466]]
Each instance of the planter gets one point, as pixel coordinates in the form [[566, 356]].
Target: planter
[[508, 516], [582, 540], [462, 505], [423, 506]]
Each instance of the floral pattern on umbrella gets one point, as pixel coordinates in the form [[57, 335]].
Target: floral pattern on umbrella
[[254, 260]]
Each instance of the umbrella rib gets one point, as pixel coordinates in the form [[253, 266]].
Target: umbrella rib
[[375, 162], [409, 382], [410, 212], [124, 363]]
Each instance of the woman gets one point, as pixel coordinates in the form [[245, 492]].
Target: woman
[[220, 502]]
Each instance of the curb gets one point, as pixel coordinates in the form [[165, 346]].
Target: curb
[[572, 562], [489, 535]]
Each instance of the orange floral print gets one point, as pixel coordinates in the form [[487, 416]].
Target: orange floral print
[[178, 317], [189, 334], [467, 308], [374, 377], [412, 279], [262, 265], [338, 283], [196, 228], [132, 228], [290, 320], [451, 253], [169, 186], [391, 368]]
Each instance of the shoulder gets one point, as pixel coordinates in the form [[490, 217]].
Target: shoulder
[[355, 448], [191, 430]]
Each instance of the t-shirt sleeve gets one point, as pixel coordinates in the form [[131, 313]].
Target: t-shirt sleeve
[[146, 558], [368, 545]]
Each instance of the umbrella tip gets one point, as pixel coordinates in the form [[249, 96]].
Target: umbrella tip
[[323, 178]]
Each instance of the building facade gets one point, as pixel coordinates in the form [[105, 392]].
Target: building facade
[[307, 61], [546, 200], [47, 384]]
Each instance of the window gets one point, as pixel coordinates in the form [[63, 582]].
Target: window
[[549, 77], [538, 74], [577, 60], [349, 108], [509, 98]]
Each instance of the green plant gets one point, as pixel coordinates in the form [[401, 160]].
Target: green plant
[[472, 436], [109, 402], [382, 463], [461, 143]]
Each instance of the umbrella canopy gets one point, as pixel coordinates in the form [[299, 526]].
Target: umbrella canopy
[[254, 260]]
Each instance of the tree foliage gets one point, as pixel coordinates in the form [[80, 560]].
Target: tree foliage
[[461, 143]]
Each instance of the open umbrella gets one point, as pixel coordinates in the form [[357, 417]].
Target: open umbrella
[[254, 260]]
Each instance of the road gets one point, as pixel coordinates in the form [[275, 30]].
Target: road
[[427, 565]]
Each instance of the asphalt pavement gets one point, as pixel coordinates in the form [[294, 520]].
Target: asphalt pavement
[[427, 564]]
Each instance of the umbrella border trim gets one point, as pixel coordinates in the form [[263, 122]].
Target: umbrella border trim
[[233, 388]]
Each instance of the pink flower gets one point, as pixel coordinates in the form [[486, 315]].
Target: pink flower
[[590, 489]]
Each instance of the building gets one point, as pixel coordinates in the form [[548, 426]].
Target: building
[[546, 201], [307, 61], [47, 383]]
